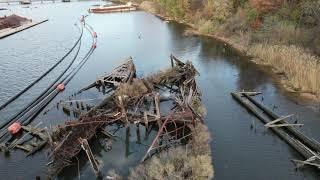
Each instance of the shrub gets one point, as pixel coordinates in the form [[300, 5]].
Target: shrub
[[310, 13], [218, 10], [290, 11], [235, 24], [275, 31], [205, 26], [251, 14]]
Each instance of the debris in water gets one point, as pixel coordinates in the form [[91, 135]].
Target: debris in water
[[133, 100]]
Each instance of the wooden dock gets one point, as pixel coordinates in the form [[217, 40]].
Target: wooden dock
[[10, 31], [305, 146], [110, 9]]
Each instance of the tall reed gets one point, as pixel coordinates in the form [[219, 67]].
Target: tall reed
[[301, 68]]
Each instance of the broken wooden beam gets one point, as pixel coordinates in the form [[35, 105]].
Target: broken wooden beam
[[315, 145], [283, 125], [93, 162], [278, 120], [295, 144]]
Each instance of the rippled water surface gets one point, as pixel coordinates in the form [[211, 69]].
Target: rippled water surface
[[238, 151]]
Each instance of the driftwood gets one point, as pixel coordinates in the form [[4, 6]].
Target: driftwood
[[278, 120], [93, 162]]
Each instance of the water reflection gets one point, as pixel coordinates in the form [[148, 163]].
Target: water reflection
[[221, 69], [249, 76]]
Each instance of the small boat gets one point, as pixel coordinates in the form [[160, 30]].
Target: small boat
[[65, 0], [25, 2], [119, 8]]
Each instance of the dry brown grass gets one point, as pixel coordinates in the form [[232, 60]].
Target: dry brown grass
[[149, 6], [301, 68], [182, 162], [136, 88], [163, 76], [198, 106]]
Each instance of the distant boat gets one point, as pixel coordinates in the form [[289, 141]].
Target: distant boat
[[65, 0], [25, 2], [108, 9]]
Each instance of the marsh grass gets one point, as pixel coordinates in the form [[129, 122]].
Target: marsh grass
[[301, 68], [184, 162]]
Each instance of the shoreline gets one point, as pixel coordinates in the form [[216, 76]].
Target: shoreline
[[278, 78], [11, 31]]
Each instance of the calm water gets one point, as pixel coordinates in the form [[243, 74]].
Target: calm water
[[238, 151]]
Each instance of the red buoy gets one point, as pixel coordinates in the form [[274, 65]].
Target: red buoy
[[94, 45], [95, 35], [14, 128], [60, 87]]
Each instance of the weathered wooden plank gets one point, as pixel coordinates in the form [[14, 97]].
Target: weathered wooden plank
[[315, 145], [278, 120]]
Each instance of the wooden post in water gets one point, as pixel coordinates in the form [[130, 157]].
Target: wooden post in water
[[279, 131], [93, 162], [315, 145], [138, 134], [127, 141]]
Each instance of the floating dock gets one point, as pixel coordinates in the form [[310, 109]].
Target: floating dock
[[10, 31], [110, 9]]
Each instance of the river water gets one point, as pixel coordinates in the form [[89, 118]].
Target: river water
[[238, 151]]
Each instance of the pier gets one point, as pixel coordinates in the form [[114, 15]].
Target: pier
[[10, 31]]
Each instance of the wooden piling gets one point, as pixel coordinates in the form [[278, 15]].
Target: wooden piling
[[315, 145], [295, 144]]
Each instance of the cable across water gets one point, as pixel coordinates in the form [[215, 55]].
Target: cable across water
[[42, 76], [33, 109], [44, 93]]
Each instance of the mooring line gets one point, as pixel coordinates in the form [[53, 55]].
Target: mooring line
[[44, 93], [65, 81], [54, 92], [41, 77]]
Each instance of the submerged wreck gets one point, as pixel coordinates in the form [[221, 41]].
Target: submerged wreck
[[136, 100]]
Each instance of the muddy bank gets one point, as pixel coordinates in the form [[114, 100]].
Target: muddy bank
[[280, 78]]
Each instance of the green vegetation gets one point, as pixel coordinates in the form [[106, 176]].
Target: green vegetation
[[292, 25]]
